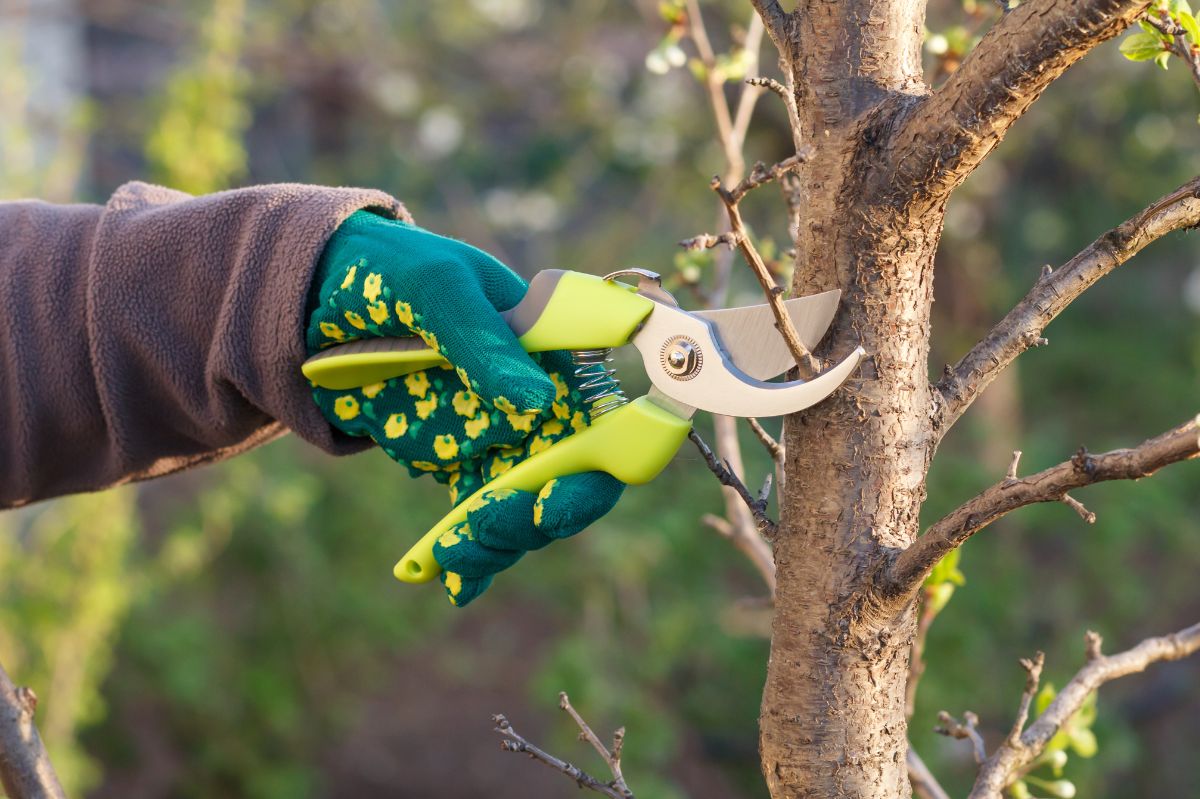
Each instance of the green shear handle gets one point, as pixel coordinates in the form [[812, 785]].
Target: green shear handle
[[562, 310], [633, 444]]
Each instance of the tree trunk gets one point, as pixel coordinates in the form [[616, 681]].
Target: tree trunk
[[832, 721]]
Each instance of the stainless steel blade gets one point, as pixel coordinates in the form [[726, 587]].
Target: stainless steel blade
[[749, 337], [685, 362]]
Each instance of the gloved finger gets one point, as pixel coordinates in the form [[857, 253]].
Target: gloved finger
[[503, 519], [567, 505], [510, 519], [467, 330], [457, 551], [461, 590]]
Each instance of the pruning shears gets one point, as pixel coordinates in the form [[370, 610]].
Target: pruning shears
[[717, 361]]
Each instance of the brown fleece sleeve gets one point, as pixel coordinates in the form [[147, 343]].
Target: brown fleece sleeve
[[158, 332]]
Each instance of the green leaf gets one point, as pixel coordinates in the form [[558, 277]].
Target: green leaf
[[1163, 59], [1155, 32], [1141, 47], [938, 596], [1084, 743], [946, 570], [1192, 27], [1177, 7], [1045, 697]]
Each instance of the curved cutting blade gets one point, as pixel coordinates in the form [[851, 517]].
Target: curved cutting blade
[[748, 335], [706, 377]]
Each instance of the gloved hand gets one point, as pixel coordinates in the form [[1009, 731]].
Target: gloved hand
[[465, 424]]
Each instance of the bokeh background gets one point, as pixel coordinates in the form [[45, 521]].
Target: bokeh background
[[235, 631]]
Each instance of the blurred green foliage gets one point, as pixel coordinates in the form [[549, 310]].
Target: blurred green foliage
[[242, 618]]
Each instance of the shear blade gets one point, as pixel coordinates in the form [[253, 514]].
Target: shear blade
[[709, 380], [748, 335]]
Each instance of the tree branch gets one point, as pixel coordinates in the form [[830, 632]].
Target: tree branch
[[950, 132], [925, 785], [777, 22], [968, 729], [25, 768], [758, 505], [615, 788], [1006, 763], [912, 565], [1021, 328], [737, 230]]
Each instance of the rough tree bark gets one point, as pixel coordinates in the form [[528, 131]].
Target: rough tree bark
[[887, 154]]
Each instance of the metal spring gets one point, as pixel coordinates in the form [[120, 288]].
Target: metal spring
[[598, 384]]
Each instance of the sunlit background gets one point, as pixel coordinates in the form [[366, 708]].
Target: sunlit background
[[235, 631]]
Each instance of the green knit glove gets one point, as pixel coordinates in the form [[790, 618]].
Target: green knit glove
[[465, 425]]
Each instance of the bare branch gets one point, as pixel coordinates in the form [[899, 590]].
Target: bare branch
[[613, 758], [925, 785], [773, 447], [968, 729], [1021, 328], [771, 85], [1079, 508], [950, 132], [706, 241], [912, 565], [714, 82], [758, 507], [25, 768], [1033, 675], [783, 322], [1006, 763], [788, 95], [615, 788], [777, 22], [761, 173], [750, 93]]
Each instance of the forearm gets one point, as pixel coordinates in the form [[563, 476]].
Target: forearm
[[157, 332]]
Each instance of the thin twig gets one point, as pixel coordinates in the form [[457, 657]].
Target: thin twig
[[924, 784], [616, 788], [25, 768], [808, 365], [613, 758], [514, 742], [706, 241], [715, 84], [758, 507], [750, 93], [777, 21], [913, 564], [1033, 675], [773, 447], [1181, 46], [968, 729], [1006, 763], [760, 173]]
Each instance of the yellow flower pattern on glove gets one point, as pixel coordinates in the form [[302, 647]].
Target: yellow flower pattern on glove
[[445, 446], [378, 312], [330, 330], [396, 425], [465, 424], [346, 408], [372, 286]]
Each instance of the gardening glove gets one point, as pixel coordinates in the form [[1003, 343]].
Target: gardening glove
[[465, 424]]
